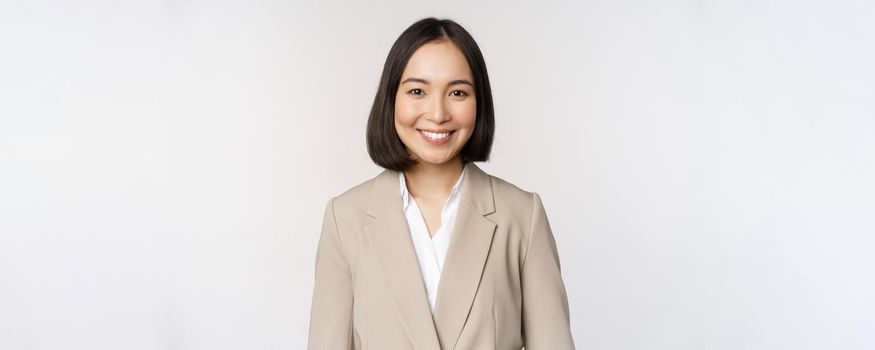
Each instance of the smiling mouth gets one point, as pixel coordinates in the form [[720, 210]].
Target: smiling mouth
[[436, 136]]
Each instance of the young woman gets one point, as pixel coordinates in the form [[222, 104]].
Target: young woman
[[433, 253]]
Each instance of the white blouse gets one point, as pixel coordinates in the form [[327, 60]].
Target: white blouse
[[431, 251]]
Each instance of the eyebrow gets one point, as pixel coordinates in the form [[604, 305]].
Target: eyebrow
[[420, 80]]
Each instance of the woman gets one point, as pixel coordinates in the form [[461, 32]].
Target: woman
[[433, 253]]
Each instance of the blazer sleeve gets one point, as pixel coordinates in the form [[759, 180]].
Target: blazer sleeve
[[331, 310], [546, 322]]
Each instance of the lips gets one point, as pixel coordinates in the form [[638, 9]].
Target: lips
[[437, 137]]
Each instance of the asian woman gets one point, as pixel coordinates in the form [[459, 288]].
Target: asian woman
[[434, 253]]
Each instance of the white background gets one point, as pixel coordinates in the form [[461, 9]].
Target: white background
[[707, 166]]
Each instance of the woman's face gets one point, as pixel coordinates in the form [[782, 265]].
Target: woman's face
[[435, 106]]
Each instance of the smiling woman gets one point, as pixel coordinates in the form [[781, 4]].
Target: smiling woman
[[433, 252], [436, 103], [434, 72]]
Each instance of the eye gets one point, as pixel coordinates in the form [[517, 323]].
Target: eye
[[416, 91], [461, 93]]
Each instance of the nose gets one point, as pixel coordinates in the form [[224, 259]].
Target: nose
[[439, 113]]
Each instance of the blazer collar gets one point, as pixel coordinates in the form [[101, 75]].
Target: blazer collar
[[477, 189], [389, 237]]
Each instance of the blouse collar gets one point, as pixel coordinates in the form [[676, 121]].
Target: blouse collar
[[405, 196]]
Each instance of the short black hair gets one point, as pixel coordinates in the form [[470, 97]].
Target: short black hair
[[384, 144]]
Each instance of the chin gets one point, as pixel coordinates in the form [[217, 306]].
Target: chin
[[435, 160]]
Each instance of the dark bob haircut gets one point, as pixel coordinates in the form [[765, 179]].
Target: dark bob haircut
[[384, 144]]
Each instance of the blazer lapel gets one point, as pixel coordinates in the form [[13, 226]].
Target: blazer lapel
[[466, 256], [470, 242], [391, 243]]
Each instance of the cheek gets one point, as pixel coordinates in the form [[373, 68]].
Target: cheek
[[466, 114], [405, 113]]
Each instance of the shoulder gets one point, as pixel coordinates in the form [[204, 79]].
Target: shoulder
[[353, 201], [519, 210], [504, 190], [512, 198]]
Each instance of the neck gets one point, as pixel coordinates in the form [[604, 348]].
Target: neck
[[433, 180]]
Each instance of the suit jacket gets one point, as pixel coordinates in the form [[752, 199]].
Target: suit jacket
[[500, 287]]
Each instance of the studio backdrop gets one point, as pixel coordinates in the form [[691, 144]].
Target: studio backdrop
[[707, 166]]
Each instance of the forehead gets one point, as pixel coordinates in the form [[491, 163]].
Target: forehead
[[438, 61]]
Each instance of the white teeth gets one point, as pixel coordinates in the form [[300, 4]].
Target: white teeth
[[436, 135]]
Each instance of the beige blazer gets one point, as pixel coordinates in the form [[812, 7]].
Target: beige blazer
[[500, 286]]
